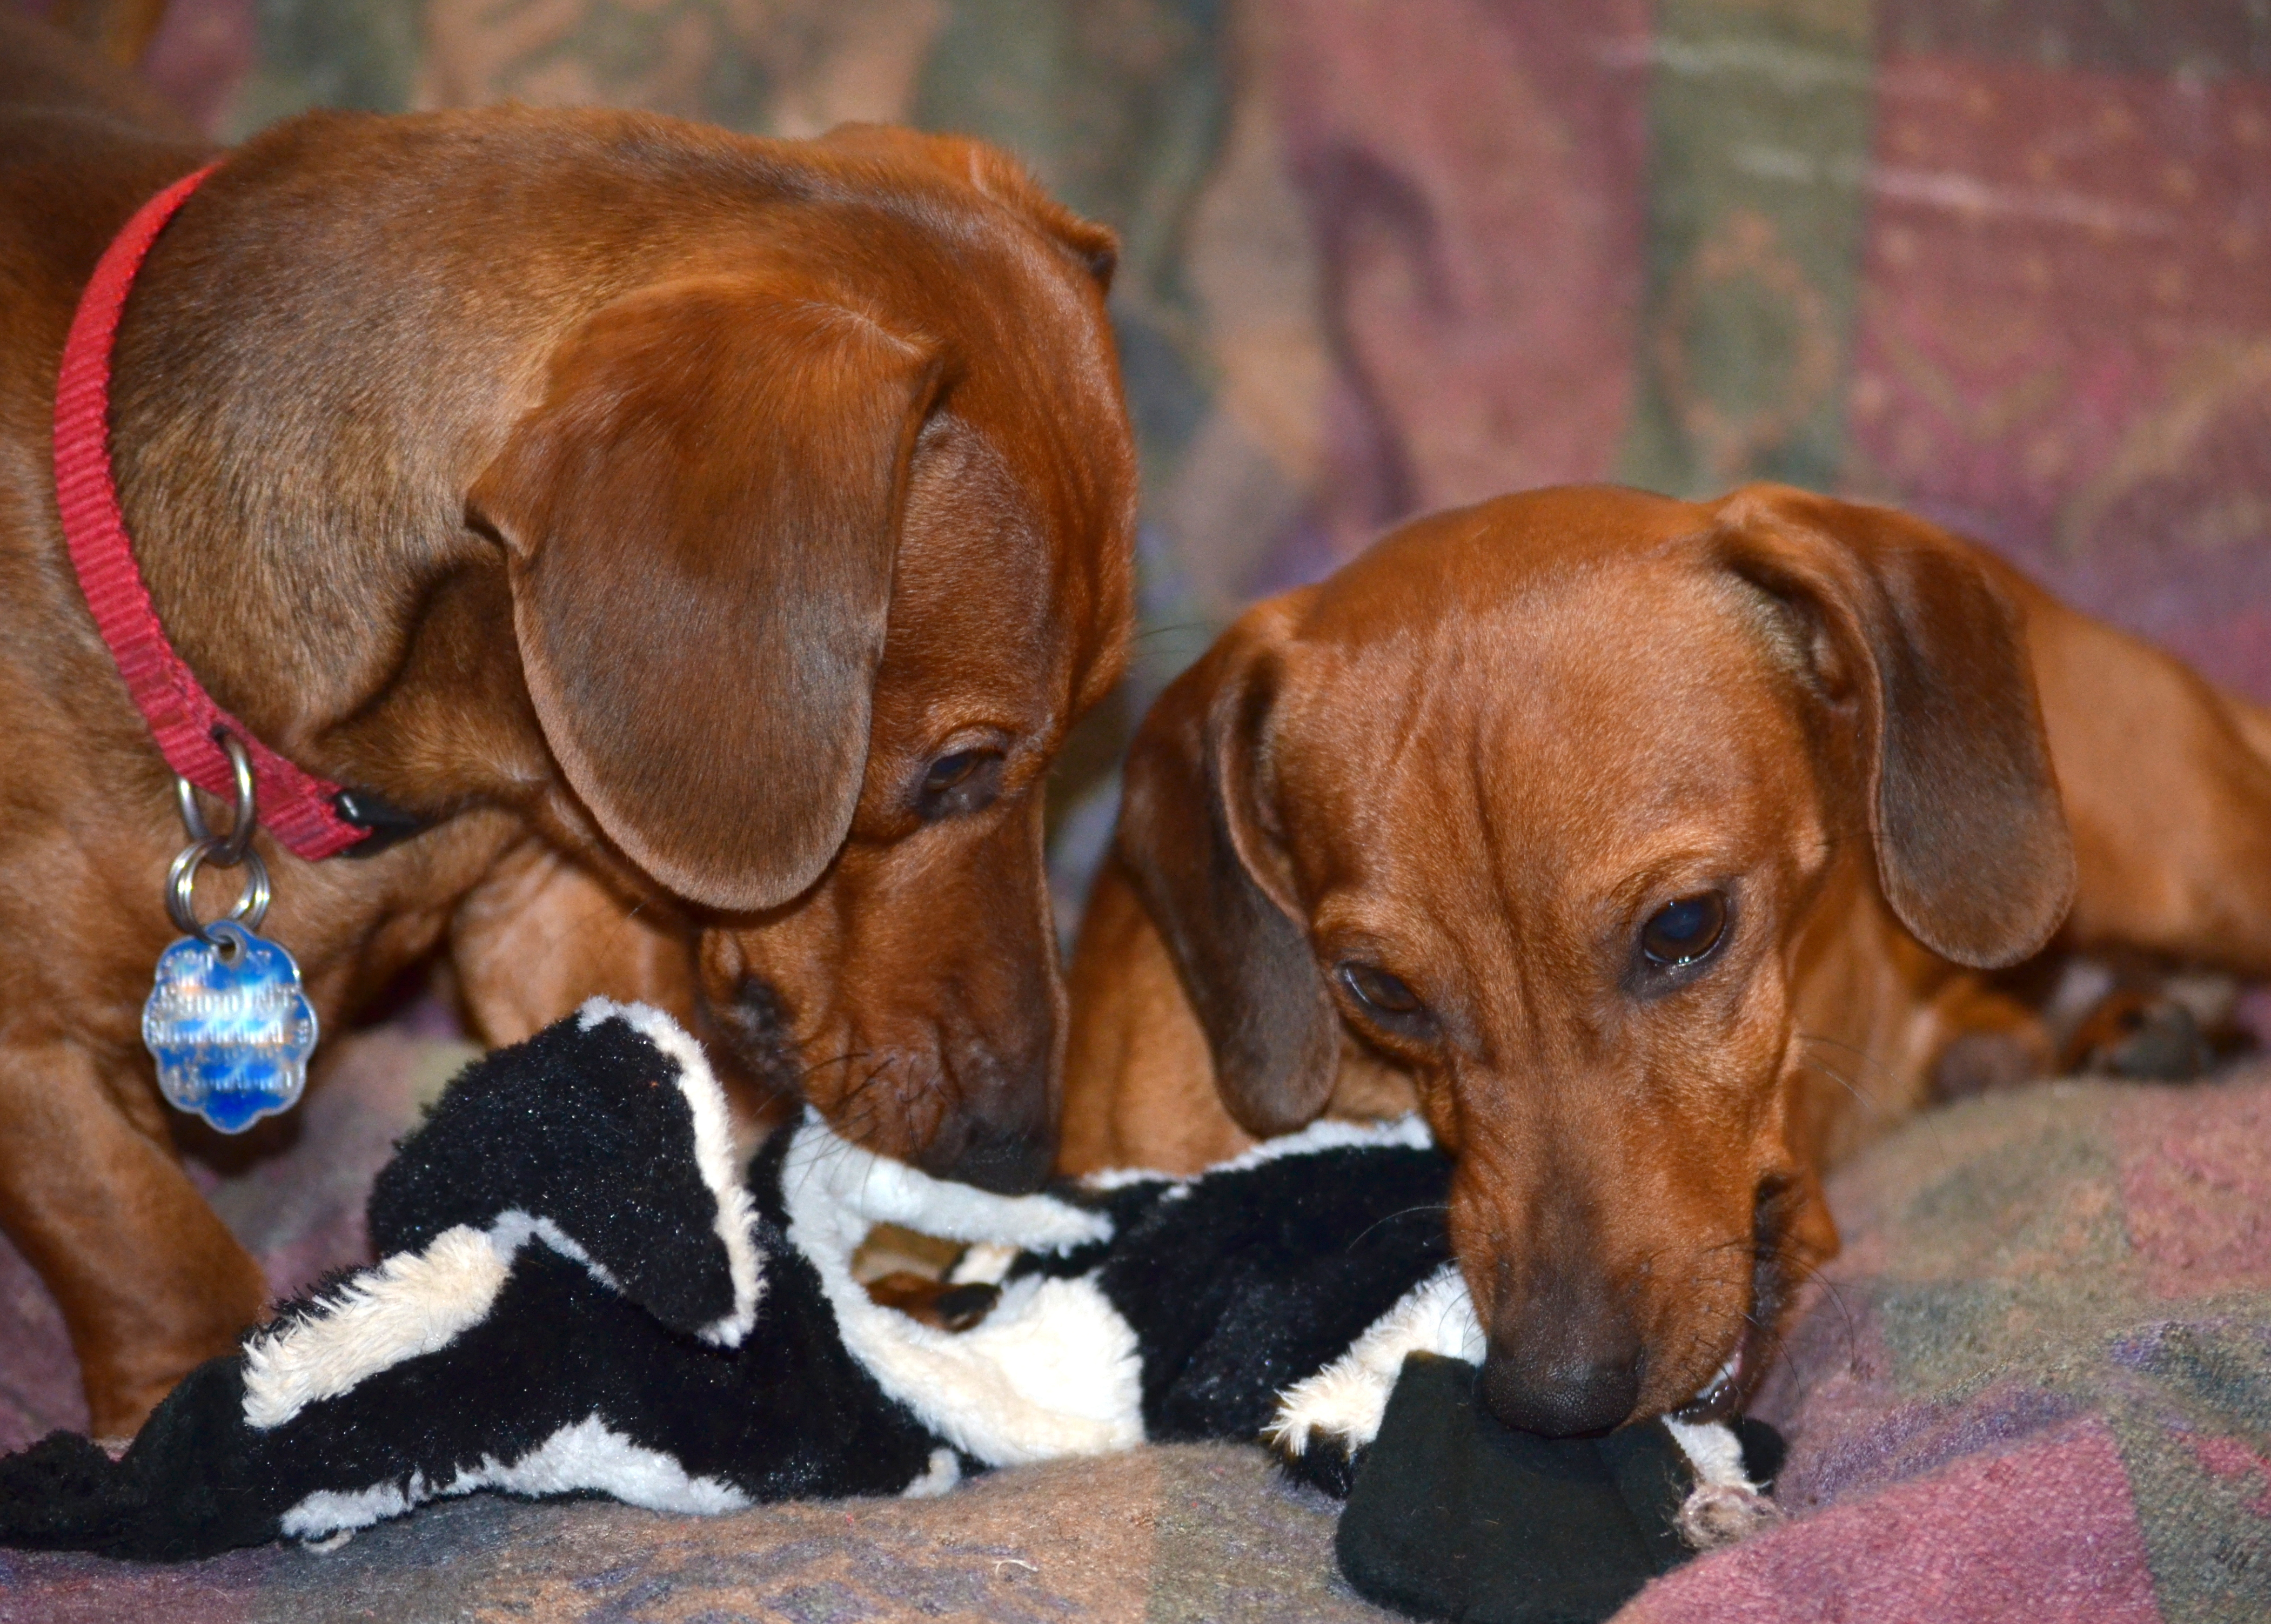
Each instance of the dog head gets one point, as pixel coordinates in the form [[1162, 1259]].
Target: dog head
[[1540, 800], [816, 546]]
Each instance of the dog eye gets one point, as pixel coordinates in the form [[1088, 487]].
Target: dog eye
[[1381, 994], [1683, 933], [962, 781], [949, 771]]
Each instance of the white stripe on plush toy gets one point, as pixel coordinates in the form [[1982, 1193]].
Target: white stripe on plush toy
[[1407, 1132], [412, 1303], [586, 1456], [939, 1478], [408, 1304], [591, 1455], [330, 1511], [875, 1189]]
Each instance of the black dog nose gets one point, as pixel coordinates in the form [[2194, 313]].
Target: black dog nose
[[1570, 1399], [1006, 1161]]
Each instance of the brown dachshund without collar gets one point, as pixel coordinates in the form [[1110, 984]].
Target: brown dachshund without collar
[[710, 538], [1638, 841]]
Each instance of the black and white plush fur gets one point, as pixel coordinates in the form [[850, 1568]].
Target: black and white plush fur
[[577, 1294]]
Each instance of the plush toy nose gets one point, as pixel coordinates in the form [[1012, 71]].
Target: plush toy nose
[[1563, 1375]]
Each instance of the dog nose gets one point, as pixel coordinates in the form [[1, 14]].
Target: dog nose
[[1008, 1161], [1573, 1398], [1564, 1359]]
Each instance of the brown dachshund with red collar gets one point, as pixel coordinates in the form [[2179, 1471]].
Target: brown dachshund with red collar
[[1636, 841], [706, 541]]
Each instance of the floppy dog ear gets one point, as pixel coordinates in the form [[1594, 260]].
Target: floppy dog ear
[[1911, 635], [1190, 837], [700, 522]]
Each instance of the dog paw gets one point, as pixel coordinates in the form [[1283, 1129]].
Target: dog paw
[[2140, 1037], [1720, 1513], [1981, 1062]]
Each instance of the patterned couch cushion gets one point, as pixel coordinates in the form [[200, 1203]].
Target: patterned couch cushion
[[2037, 1383]]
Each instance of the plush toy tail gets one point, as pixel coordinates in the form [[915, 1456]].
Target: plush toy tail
[[186, 1488], [63, 1494]]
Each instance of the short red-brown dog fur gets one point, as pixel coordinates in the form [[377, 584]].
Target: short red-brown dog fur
[[1408, 836], [712, 538]]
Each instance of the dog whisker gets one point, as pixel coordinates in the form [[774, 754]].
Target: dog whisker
[[1814, 1275], [1876, 1107], [1868, 1100], [817, 1067], [1869, 1063], [1391, 1217]]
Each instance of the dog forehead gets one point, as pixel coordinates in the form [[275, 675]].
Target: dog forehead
[[1550, 734], [1494, 554], [989, 605], [1029, 479]]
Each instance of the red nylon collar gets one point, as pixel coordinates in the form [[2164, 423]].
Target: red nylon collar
[[299, 808]]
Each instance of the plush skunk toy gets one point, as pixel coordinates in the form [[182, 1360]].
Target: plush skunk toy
[[579, 1291]]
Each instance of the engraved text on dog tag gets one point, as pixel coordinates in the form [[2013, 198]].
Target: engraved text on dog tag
[[229, 1027]]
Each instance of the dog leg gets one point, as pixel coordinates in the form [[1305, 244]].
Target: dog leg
[[540, 935], [149, 1281], [1994, 1041], [938, 1303], [1139, 1082]]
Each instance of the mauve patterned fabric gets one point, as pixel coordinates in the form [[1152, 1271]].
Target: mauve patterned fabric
[[2000, 261], [2037, 1382]]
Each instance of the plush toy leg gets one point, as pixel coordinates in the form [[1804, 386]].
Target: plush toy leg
[[557, 1385], [573, 1275], [192, 1484]]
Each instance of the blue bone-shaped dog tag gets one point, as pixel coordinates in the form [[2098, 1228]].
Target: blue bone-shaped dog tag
[[231, 1033]]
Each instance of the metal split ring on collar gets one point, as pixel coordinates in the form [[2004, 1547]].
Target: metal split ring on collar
[[229, 851], [181, 886]]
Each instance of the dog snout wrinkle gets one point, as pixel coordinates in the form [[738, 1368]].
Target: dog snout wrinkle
[[757, 1023], [1000, 1134]]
